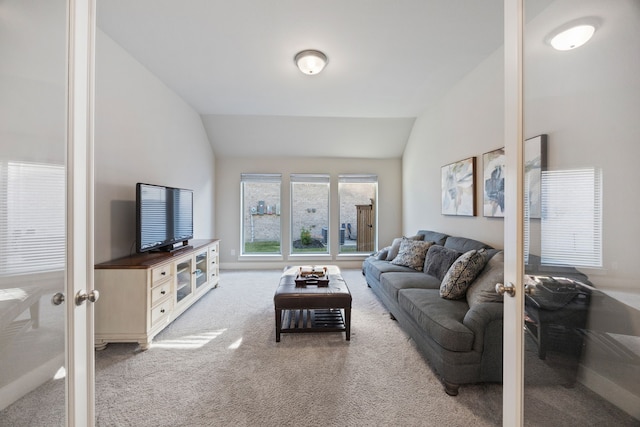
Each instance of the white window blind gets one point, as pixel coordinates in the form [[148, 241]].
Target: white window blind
[[358, 178], [32, 217], [260, 177], [572, 217], [309, 178]]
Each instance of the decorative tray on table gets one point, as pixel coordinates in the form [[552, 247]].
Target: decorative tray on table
[[316, 276]]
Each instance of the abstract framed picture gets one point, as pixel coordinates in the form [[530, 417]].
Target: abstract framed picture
[[458, 188], [535, 161], [493, 174]]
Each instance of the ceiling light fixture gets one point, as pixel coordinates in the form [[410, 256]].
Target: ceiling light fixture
[[573, 34], [311, 61]]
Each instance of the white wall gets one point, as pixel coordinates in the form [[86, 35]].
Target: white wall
[[467, 122], [144, 132], [228, 216]]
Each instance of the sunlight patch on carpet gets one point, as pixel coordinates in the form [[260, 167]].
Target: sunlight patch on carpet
[[61, 373], [189, 341], [235, 345]]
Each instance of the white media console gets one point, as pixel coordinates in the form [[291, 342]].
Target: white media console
[[141, 294]]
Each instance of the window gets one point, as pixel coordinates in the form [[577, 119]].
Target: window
[[572, 217], [260, 209], [310, 214], [32, 217], [357, 194]]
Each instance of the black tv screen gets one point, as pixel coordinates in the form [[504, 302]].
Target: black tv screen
[[164, 217]]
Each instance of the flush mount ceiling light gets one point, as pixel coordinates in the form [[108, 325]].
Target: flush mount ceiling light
[[311, 61], [573, 34]]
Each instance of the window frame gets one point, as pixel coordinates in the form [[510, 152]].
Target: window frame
[[359, 178], [309, 178], [247, 178]]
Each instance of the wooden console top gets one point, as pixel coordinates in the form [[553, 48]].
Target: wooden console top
[[150, 259]]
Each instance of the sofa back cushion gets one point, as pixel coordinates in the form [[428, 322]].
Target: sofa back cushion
[[462, 244], [433, 236], [438, 260], [483, 289]]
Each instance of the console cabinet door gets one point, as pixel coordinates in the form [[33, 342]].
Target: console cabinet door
[[185, 273]]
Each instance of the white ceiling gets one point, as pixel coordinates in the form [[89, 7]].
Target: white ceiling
[[232, 61]]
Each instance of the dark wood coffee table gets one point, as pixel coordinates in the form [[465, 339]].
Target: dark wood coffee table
[[312, 308]]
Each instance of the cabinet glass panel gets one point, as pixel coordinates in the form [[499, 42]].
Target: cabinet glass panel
[[201, 269], [183, 279]]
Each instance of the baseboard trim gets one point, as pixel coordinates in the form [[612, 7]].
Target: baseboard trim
[[609, 390], [16, 389]]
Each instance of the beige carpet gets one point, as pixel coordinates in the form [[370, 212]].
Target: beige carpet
[[219, 365]]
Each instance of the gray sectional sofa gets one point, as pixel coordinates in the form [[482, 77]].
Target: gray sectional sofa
[[459, 332]]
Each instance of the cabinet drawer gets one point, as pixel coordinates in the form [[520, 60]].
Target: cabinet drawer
[[160, 292], [160, 273], [159, 312]]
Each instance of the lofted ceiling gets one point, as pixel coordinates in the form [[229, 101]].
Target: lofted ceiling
[[232, 61]]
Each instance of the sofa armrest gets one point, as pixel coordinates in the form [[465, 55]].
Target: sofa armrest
[[479, 318]]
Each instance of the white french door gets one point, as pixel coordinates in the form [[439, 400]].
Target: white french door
[[46, 214], [513, 360], [582, 245]]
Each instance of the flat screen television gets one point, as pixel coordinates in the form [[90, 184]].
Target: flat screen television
[[164, 217]]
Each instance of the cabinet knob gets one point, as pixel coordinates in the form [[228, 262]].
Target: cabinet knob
[[163, 292]]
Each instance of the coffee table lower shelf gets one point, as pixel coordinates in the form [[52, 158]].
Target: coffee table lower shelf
[[311, 320]]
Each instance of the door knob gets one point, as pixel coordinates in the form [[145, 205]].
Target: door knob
[[57, 299], [506, 289], [83, 296]]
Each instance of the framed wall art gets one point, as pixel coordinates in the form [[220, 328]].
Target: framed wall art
[[493, 174], [458, 188], [535, 161]]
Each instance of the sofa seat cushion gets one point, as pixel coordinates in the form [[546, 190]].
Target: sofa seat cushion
[[440, 318], [391, 283], [377, 267]]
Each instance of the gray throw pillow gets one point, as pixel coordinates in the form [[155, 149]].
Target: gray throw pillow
[[393, 250], [412, 254], [461, 273], [382, 253], [438, 261], [483, 288]]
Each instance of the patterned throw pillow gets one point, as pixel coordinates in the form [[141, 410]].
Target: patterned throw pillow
[[483, 288], [461, 273], [412, 254], [395, 245]]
